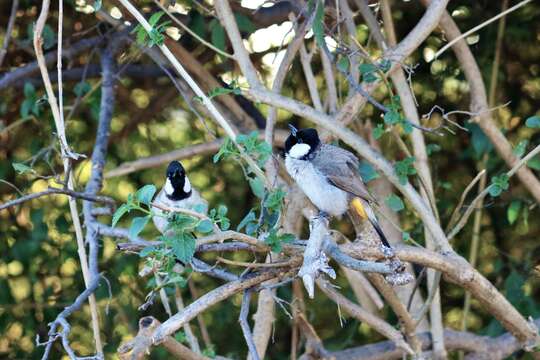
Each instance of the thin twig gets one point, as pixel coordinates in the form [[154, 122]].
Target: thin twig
[[9, 30], [461, 223], [53, 191], [478, 27], [246, 330]]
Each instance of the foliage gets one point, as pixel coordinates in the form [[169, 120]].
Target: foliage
[[155, 35]]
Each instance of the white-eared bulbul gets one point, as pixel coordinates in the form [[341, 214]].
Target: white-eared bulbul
[[176, 193], [329, 177]]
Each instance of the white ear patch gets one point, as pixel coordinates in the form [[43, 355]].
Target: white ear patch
[[168, 187], [299, 150], [187, 185]]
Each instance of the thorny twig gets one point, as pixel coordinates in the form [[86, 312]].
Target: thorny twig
[[246, 330]]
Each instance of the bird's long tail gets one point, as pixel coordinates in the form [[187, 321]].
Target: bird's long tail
[[362, 208]]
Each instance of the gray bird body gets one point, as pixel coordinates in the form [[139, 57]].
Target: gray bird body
[[188, 203], [328, 178]]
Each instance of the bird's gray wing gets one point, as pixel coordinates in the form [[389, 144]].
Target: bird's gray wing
[[341, 169]]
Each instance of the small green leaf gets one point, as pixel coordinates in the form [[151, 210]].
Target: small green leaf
[[244, 23], [391, 117], [145, 194], [155, 18], [21, 168], [183, 247], [498, 185], [385, 65], [29, 90], [343, 64], [318, 24], [148, 250], [257, 187], [406, 126], [368, 72], [395, 203], [367, 172], [378, 132], [405, 236], [249, 218], [204, 226], [124, 208], [520, 148], [82, 88], [534, 163], [432, 148], [200, 208], [137, 225], [513, 211], [217, 35], [533, 122], [404, 168]]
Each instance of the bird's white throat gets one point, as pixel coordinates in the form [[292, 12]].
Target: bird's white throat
[[299, 150]]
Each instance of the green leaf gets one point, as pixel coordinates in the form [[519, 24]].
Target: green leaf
[[395, 203], [21, 168], [275, 199], [533, 122], [385, 65], [432, 148], [244, 23], [204, 226], [257, 187], [148, 250], [183, 247], [137, 225], [29, 90], [367, 172], [249, 218], [498, 185], [404, 168], [82, 88], [343, 64], [124, 208], [520, 148], [406, 126], [200, 208], [534, 163], [368, 72], [513, 211], [155, 18], [145, 194], [378, 132], [405, 236], [217, 35], [480, 142], [318, 24], [391, 117]]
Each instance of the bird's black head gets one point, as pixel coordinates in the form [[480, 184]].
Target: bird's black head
[[177, 185], [301, 143]]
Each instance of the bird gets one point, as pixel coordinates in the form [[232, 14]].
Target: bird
[[177, 193], [329, 177]]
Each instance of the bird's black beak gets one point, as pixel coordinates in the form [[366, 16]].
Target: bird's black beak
[[293, 130]]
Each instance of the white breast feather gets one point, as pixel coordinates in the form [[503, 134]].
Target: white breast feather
[[189, 203], [322, 194]]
